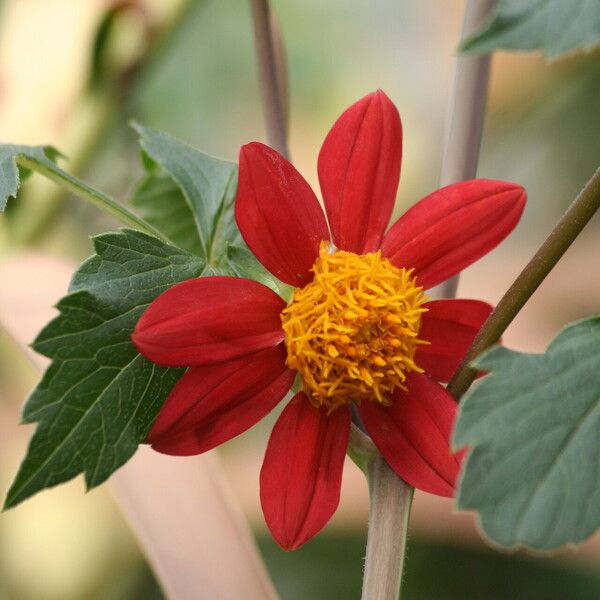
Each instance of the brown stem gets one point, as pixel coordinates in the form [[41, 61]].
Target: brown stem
[[562, 236], [271, 65]]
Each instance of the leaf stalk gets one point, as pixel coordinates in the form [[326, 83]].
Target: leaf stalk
[[99, 199]]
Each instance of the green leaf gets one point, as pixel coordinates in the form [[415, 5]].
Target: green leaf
[[11, 175], [16, 162], [554, 26], [160, 201], [243, 263], [534, 425], [99, 397], [207, 184]]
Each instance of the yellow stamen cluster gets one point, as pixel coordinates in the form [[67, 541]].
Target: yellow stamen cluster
[[352, 332]]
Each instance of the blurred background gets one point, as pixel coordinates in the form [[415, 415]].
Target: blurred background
[[73, 73]]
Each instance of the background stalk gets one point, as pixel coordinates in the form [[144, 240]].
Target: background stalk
[[562, 236], [466, 115], [271, 67]]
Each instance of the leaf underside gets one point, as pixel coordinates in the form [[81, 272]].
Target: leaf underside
[[554, 26], [533, 425], [202, 197]]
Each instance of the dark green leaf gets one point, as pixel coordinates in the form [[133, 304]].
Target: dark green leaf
[[11, 175], [554, 26], [208, 186], [534, 424], [244, 264], [99, 397]]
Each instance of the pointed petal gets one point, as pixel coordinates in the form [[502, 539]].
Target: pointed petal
[[453, 227], [209, 320], [210, 405], [450, 326], [359, 169], [302, 472], [413, 434], [278, 214]]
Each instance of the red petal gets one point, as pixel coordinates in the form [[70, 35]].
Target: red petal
[[450, 326], [278, 214], [453, 227], [359, 168], [302, 472], [210, 405], [413, 434], [209, 320]]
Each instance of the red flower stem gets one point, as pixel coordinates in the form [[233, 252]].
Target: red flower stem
[[466, 115], [562, 236], [271, 65]]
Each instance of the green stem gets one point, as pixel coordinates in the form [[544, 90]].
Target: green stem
[[29, 226], [562, 236], [389, 511], [361, 448], [84, 191]]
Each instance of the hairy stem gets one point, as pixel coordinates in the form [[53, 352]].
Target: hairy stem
[[389, 511], [466, 115], [562, 236], [84, 191], [271, 66]]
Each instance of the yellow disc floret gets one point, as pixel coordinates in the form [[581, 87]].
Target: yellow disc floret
[[352, 333]]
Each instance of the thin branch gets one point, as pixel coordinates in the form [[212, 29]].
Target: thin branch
[[562, 236], [466, 115], [271, 65]]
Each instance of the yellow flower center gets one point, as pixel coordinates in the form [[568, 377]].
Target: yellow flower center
[[352, 332]]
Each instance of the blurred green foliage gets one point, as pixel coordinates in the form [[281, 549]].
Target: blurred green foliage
[[328, 568]]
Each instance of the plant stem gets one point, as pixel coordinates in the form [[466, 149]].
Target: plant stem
[[562, 236], [84, 191], [466, 115], [361, 448], [389, 510], [269, 52]]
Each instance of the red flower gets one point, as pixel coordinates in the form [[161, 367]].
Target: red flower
[[359, 329]]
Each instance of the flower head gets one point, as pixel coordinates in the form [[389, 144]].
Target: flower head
[[359, 329], [352, 331]]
